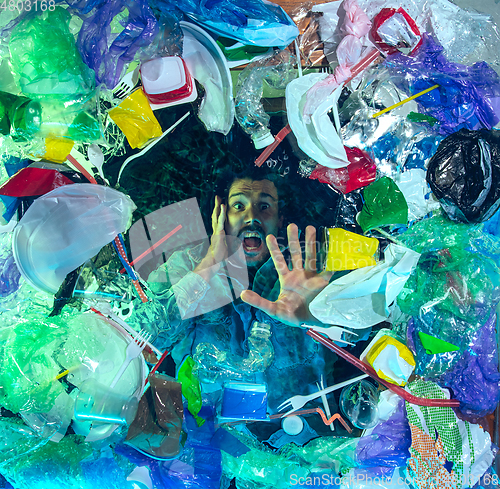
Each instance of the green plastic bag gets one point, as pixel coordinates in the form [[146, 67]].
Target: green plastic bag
[[384, 205], [45, 59], [191, 389]]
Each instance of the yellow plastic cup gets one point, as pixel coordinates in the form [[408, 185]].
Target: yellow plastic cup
[[348, 251], [136, 120]]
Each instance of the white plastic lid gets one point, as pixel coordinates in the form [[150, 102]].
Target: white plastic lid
[[292, 425], [262, 141]]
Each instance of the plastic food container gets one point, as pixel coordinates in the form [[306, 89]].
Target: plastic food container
[[167, 81]]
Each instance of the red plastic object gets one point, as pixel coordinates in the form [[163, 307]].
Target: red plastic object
[[381, 17], [30, 181], [360, 172], [186, 84], [419, 401]]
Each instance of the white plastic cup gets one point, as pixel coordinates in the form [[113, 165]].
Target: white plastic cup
[[97, 402]]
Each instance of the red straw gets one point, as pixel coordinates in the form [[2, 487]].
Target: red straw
[[408, 397], [151, 248]]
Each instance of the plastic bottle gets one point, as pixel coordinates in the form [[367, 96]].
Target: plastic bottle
[[214, 365], [277, 71]]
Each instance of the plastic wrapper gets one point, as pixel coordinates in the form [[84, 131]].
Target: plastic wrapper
[[416, 192], [309, 42], [36, 350], [464, 173], [191, 389], [136, 119], [458, 272], [277, 71], [354, 27], [119, 32], [257, 22], [389, 138], [33, 181], [362, 298], [467, 97], [263, 468], [199, 464], [9, 273], [78, 220], [214, 365], [46, 60], [440, 442], [345, 250], [156, 428], [360, 172], [384, 205], [20, 117], [79, 466], [386, 445], [474, 379]]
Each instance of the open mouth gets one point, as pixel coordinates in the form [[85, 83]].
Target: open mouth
[[252, 241]]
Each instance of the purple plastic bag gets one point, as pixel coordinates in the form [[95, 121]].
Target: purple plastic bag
[[475, 380], [387, 445], [467, 96], [108, 56]]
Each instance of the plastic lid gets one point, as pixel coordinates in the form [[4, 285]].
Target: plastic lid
[[292, 425], [263, 140]]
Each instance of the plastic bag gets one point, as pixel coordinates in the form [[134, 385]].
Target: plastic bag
[[444, 448], [384, 205], [46, 60], [475, 380], [363, 297], [467, 96], [257, 22], [464, 175], [119, 32], [360, 172], [66, 227]]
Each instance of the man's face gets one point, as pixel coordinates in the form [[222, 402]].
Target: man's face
[[252, 214]]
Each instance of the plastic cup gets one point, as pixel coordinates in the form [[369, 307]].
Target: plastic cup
[[97, 402], [359, 402]]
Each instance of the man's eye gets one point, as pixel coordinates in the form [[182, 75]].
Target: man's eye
[[263, 207], [238, 206]]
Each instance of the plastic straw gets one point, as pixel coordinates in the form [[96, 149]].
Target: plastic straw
[[406, 100], [407, 396], [277, 140]]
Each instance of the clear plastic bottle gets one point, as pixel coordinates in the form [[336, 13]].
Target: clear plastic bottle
[[214, 365], [277, 71]]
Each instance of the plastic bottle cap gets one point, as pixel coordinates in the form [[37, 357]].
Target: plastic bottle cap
[[263, 140], [292, 425]]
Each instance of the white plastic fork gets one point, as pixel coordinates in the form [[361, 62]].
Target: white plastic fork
[[134, 349], [126, 84], [298, 402]]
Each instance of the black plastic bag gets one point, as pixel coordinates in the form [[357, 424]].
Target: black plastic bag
[[464, 175]]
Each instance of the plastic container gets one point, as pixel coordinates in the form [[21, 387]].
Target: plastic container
[[244, 401], [97, 402], [167, 81]]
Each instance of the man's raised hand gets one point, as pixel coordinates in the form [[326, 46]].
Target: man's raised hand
[[217, 252], [298, 285]]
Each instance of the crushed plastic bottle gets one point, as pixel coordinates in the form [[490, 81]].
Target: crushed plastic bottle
[[215, 365], [277, 71]]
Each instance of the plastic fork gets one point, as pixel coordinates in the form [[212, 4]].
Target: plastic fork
[[126, 84], [134, 349], [333, 332], [297, 402]]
